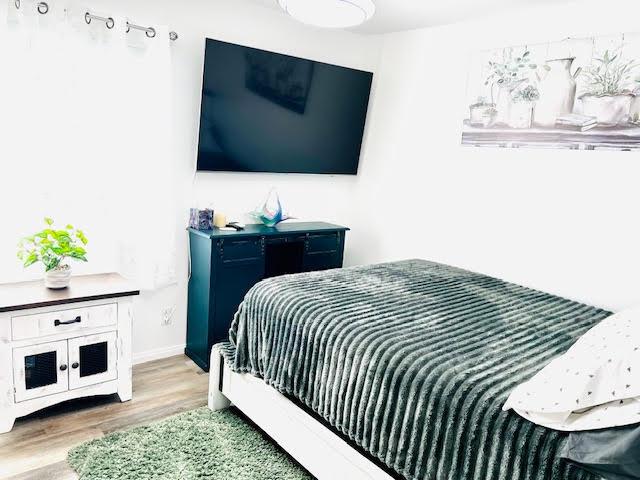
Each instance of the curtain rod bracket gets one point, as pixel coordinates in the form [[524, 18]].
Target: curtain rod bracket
[[42, 7], [108, 21]]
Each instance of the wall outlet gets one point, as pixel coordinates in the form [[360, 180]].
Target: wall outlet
[[167, 316]]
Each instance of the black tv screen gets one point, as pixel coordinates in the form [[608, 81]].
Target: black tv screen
[[267, 112]]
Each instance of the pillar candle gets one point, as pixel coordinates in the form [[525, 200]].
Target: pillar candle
[[220, 220]]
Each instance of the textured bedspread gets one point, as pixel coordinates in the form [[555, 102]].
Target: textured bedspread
[[412, 361]]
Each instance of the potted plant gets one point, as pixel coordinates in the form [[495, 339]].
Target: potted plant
[[523, 106], [607, 96], [506, 76], [482, 113], [53, 247]]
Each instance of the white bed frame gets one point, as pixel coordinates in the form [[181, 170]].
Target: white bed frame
[[318, 449]]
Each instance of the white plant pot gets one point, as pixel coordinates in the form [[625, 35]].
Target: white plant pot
[[482, 115], [610, 110], [634, 113], [521, 115], [57, 279]]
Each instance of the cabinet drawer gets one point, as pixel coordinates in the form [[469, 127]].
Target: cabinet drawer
[[240, 249], [63, 321], [323, 243]]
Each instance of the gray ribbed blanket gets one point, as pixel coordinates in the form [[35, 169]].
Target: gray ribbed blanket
[[413, 361]]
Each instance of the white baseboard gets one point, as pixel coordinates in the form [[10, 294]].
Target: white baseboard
[[157, 354]]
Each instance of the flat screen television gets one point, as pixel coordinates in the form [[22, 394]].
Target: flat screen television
[[267, 112]]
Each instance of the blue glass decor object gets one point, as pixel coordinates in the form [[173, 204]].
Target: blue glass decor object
[[270, 213]]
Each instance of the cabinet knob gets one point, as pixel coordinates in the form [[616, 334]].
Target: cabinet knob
[[75, 365], [63, 368]]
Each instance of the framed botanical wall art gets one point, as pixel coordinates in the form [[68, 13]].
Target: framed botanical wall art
[[574, 94]]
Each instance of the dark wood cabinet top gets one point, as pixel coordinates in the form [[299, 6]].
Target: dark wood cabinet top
[[259, 230], [83, 288]]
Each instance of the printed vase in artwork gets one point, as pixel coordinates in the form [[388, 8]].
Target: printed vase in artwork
[[557, 91], [504, 103]]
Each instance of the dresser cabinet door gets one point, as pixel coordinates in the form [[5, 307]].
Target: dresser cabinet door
[[240, 265], [323, 251], [92, 359], [233, 280], [40, 370]]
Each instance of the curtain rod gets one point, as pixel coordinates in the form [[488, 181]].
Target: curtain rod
[[43, 9], [110, 23]]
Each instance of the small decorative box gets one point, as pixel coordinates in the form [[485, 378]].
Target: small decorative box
[[201, 219]]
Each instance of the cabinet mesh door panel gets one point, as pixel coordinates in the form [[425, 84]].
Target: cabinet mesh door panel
[[40, 370], [93, 359]]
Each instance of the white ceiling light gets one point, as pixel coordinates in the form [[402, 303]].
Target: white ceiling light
[[330, 13]]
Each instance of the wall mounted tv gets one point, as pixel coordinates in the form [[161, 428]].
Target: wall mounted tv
[[267, 112]]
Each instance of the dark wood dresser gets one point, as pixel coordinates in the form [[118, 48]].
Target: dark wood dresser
[[225, 265]]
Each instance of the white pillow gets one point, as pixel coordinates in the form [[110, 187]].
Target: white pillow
[[595, 384]]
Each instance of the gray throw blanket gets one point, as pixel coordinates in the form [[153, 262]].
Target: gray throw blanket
[[413, 361]]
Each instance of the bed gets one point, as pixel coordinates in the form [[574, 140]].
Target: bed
[[398, 370]]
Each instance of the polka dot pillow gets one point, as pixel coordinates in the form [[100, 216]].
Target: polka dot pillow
[[595, 384]]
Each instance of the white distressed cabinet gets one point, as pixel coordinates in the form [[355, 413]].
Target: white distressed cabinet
[[57, 345]]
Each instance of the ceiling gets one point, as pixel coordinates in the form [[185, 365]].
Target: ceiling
[[396, 15]]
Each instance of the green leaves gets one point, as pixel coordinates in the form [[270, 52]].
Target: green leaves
[[31, 259], [527, 94], [609, 75], [514, 70], [80, 235], [51, 246], [78, 253]]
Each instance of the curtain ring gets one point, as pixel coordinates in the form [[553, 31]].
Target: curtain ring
[[87, 18], [110, 23], [150, 32], [173, 36], [43, 8], [17, 4]]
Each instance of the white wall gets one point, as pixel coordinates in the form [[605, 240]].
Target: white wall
[[309, 197], [560, 221]]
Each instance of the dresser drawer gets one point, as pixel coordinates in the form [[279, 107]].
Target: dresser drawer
[[63, 321], [235, 250], [323, 243]]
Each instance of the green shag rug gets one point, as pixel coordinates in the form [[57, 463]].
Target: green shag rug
[[200, 444]]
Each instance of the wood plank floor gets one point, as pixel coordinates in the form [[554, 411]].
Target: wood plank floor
[[37, 446]]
